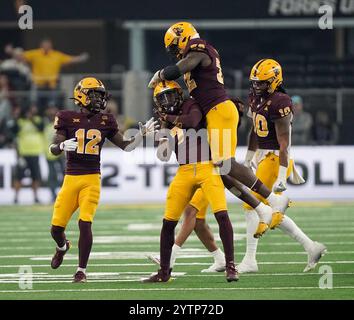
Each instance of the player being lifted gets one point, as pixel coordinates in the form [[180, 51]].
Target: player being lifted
[[196, 171], [269, 145], [81, 135], [200, 64], [195, 211]]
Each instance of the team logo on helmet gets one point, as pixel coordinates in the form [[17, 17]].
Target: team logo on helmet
[[178, 31]]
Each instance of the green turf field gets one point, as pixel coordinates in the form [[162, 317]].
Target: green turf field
[[123, 234]]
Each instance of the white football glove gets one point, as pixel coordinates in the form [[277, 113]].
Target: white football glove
[[150, 126], [248, 159], [68, 145], [280, 183], [154, 80]]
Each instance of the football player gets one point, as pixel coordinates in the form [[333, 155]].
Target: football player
[[199, 62], [81, 134], [196, 170], [195, 212], [269, 145]]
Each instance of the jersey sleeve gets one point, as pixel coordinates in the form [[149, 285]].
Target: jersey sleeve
[[60, 123], [188, 119], [195, 45], [64, 58], [112, 127], [280, 108], [30, 55]]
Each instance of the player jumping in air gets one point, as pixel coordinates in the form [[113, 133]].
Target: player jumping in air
[[199, 62], [81, 135], [269, 146]]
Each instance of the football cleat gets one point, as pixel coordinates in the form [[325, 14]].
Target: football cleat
[[79, 277], [160, 276], [277, 218], [317, 251], [231, 272], [59, 255], [217, 266], [247, 266], [261, 230]]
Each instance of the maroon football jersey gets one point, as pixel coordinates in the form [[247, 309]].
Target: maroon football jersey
[[191, 138], [264, 111], [90, 132], [205, 84]]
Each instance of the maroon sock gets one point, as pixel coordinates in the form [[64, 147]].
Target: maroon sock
[[226, 234], [167, 239], [85, 242], [58, 235]]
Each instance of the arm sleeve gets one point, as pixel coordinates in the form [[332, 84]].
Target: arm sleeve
[[196, 45], [280, 108], [30, 55], [65, 58], [113, 127], [60, 124], [189, 120]]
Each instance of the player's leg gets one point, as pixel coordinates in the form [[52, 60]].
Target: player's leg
[[222, 121], [267, 173], [213, 189], [88, 201], [179, 194], [33, 165], [19, 173], [65, 205], [263, 211]]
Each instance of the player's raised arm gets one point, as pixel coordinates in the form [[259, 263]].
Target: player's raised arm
[[130, 144]]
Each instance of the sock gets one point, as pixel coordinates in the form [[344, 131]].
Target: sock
[[81, 269], [226, 233], [174, 252], [264, 213], [167, 239], [218, 255], [85, 243], [63, 248], [252, 221], [59, 236], [272, 198], [289, 227]]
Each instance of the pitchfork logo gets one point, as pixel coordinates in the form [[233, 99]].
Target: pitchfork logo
[[178, 31]]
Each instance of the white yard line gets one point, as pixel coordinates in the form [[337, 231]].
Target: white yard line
[[174, 289]]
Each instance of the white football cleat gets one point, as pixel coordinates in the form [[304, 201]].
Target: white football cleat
[[280, 203], [154, 259], [217, 266], [317, 251], [247, 266]]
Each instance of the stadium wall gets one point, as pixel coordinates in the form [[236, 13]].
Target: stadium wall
[[138, 177]]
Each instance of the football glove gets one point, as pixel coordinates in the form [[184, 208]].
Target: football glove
[[68, 145], [150, 126], [280, 183], [154, 80]]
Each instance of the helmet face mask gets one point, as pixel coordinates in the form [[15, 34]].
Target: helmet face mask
[[169, 102], [260, 87], [98, 100]]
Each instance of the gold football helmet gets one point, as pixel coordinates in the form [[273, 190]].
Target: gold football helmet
[[177, 37], [266, 76], [90, 93], [168, 97]]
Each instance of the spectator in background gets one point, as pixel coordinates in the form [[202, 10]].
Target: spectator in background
[[5, 99], [302, 123], [46, 64], [55, 163], [28, 129], [16, 69], [325, 131]]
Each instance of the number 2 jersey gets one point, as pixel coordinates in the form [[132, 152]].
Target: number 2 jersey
[[205, 84], [264, 110], [90, 132]]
